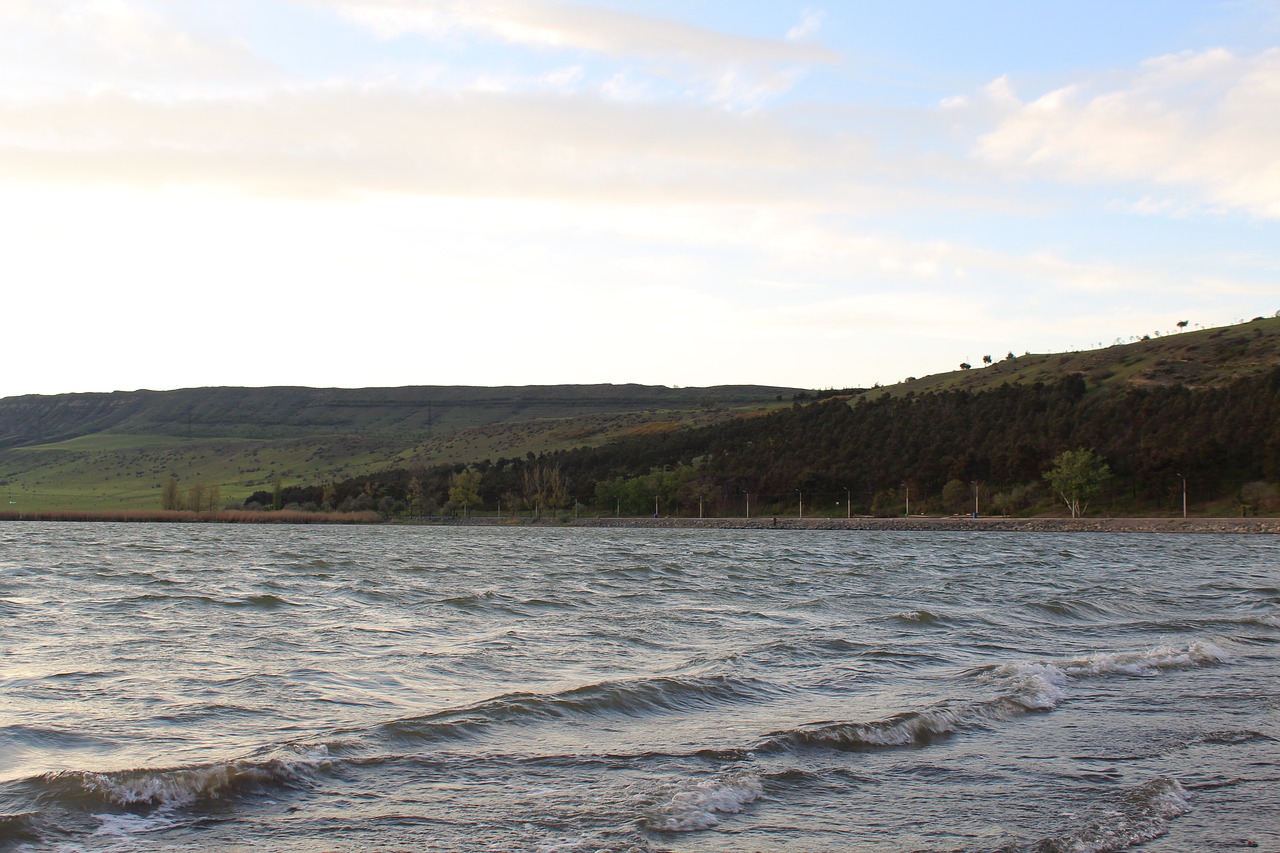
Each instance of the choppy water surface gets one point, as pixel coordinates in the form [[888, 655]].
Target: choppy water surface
[[204, 687]]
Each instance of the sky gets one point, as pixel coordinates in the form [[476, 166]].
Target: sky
[[353, 193]]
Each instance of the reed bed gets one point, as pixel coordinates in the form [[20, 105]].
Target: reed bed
[[229, 516]]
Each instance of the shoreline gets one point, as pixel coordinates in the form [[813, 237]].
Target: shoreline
[[866, 523], [966, 524]]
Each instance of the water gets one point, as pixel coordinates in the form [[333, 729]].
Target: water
[[215, 687]]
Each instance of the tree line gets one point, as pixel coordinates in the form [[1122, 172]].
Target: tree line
[[874, 454]]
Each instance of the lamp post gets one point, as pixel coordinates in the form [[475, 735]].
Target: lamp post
[[748, 494], [848, 503], [1184, 494], [801, 494], [907, 491], [975, 498]]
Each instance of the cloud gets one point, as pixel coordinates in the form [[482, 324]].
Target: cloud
[[730, 69], [809, 24], [339, 140], [1207, 123], [59, 45], [575, 26]]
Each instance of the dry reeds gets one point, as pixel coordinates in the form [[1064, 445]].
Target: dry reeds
[[229, 516]]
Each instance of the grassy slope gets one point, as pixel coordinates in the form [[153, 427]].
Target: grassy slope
[[114, 451], [110, 451], [1202, 358]]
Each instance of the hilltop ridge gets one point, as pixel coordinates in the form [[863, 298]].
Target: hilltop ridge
[[116, 450], [1200, 358]]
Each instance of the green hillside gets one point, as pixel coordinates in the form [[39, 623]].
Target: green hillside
[[1204, 358], [114, 451], [1199, 410], [101, 451]]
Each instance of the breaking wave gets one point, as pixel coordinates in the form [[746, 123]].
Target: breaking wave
[[179, 786], [1022, 688], [1142, 814], [702, 805]]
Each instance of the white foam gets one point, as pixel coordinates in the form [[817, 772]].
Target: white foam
[[1035, 686], [1150, 662], [183, 786], [124, 825], [918, 727], [700, 806], [1143, 815]]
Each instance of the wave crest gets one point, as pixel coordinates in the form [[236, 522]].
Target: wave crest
[[1142, 814], [702, 805], [183, 786], [632, 698]]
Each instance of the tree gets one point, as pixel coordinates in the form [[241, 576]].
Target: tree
[[986, 359], [170, 497], [1258, 495], [544, 487], [955, 496], [964, 365], [1077, 476], [464, 490], [277, 492], [413, 494], [196, 497]]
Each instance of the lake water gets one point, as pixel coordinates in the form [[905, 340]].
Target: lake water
[[170, 687]]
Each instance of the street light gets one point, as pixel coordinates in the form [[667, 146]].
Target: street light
[[907, 489], [1184, 494], [848, 502], [801, 494], [975, 498], [748, 494]]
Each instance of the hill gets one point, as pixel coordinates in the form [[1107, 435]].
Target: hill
[[117, 450], [942, 443], [1204, 358]]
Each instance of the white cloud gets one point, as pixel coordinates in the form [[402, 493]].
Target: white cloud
[[809, 24], [1206, 123], [575, 26], [728, 69], [73, 45], [348, 139]]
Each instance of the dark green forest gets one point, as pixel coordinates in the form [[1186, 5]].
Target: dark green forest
[[870, 454]]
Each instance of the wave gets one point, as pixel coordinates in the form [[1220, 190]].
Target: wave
[[1145, 663], [18, 827], [265, 601], [1142, 814], [910, 728], [178, 786], [1021, 688], [487, 601], [919, 616], [631, 698], [1267, 620], [702, 805]]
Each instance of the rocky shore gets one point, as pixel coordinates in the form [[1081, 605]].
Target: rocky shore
[[1027, 525]]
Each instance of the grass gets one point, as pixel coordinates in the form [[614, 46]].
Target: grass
[[1200, 358], [112, 471], [223, 517]]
